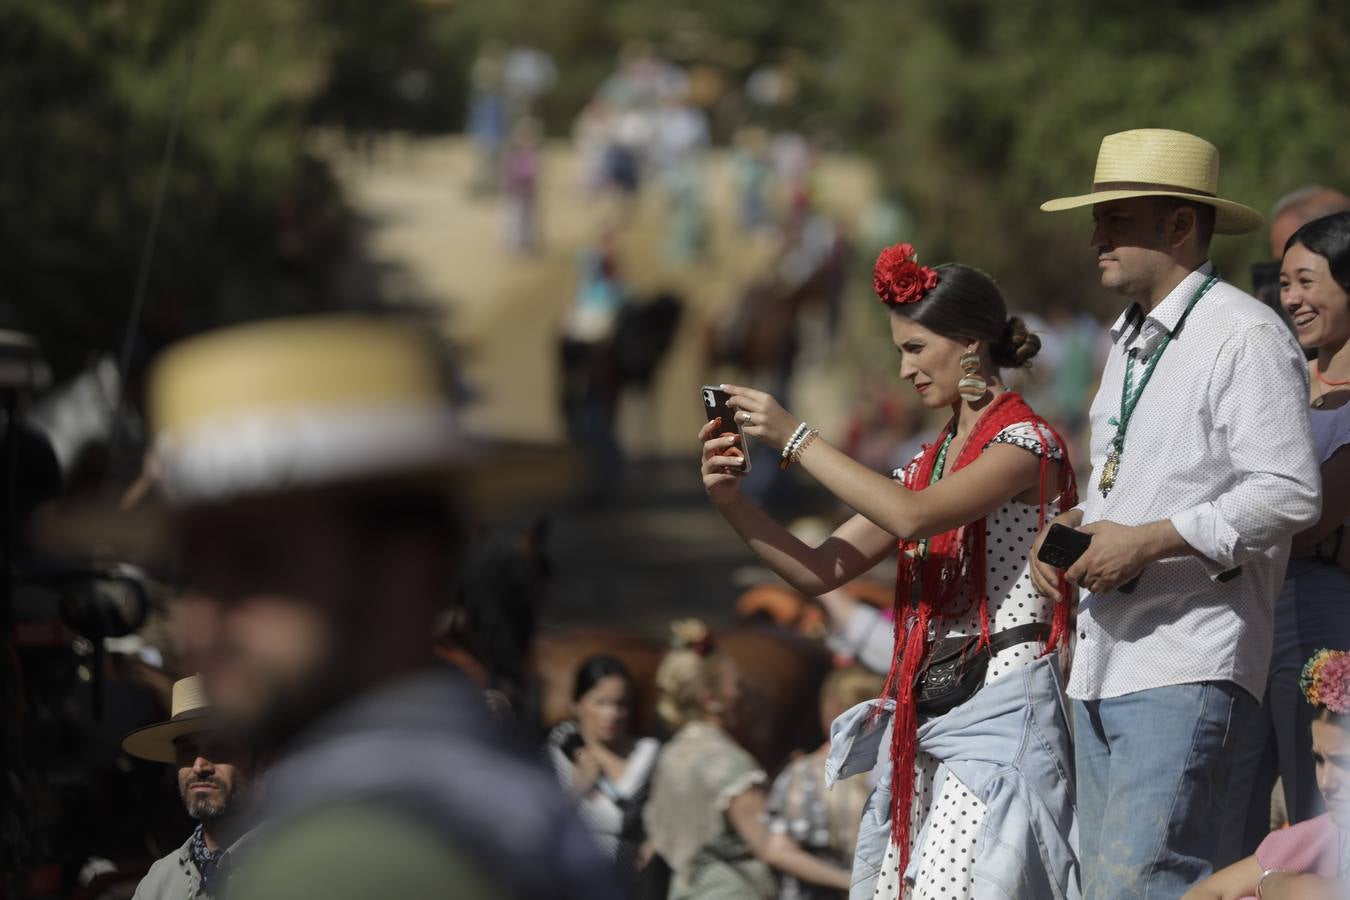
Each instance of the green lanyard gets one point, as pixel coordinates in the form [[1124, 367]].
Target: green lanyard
[[1130, 393], [921, 551], [939, 466]]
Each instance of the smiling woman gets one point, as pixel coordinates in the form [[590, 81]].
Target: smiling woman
[[1311, 611], [1315, 291], [964, 514]]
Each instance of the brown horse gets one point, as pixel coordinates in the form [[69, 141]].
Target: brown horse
[[760, 332], [782, 673]]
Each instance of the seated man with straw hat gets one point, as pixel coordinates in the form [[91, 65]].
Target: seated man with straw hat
[[214, 777], [1202, 472], [316, 478]]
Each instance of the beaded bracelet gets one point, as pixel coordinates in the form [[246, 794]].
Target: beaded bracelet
[[806, 442], [793, 441], [791, 446], [799, 447]]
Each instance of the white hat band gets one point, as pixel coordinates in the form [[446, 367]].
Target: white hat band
[[301, 447]]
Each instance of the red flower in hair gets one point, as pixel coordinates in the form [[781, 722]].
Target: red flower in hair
[[898, 279]]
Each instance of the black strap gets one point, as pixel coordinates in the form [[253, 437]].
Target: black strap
[[1022, 634]]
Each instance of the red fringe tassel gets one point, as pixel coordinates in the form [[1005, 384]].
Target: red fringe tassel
[[955, 567]]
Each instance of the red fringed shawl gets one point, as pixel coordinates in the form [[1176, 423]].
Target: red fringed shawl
[[953, 569]]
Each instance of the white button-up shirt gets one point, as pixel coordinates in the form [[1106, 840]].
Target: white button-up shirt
[[1219, 444]]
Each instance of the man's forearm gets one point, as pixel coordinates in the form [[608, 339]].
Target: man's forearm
[[1161, 540]]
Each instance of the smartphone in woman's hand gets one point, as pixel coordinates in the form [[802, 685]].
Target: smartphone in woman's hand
[[715, 405]]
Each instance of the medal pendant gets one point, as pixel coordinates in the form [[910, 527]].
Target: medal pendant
[[1109, 471]]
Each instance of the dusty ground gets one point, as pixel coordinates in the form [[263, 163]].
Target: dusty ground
[[656, 548]]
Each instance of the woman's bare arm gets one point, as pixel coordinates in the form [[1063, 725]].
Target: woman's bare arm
[[1295, 886], [779, 851], [999, 474], [1233, 883], [886, 509], [854, 548]]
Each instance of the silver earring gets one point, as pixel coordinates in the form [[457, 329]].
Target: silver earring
[[971, 387]]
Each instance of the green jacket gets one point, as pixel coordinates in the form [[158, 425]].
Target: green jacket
[[409, 791], [358, 851]]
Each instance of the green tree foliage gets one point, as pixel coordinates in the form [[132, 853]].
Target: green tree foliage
[[975, 111], [978, 111], [90, 88]]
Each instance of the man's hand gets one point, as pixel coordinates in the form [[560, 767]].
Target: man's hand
[[1117, 554], [1044, 577]]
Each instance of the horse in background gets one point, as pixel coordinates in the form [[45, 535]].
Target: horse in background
[[593, 374], [782, 676], [492, 635], [764, 330]]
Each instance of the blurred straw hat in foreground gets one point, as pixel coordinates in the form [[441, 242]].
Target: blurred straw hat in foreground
[[332, 402]]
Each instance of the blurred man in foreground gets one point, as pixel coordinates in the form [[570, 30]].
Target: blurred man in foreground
[[316, 475], [214, 777]]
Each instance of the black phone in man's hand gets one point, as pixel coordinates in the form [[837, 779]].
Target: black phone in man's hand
[[1064, 545]]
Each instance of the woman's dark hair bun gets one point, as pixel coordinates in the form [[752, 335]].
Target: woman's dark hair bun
[[1016, 347], [966, 305]]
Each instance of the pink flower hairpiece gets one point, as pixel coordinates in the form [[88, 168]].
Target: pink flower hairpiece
[[1325, 681], [898, 278]]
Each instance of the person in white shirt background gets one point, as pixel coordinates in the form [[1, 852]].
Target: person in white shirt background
[[1202, 471]]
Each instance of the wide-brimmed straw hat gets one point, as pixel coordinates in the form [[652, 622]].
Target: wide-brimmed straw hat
[[1158, 162], [188, 714], [295, 404], [327, 402]]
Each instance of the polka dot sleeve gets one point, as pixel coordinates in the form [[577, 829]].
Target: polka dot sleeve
[[1027, 436]]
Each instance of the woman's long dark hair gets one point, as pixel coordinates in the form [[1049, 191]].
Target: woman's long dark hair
[[966, 305], [594, 670], [1329, 238]]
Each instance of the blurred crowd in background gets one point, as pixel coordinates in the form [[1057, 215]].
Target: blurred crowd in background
[[174, 168]]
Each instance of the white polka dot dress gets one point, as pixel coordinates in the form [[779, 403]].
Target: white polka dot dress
[[955, 817]]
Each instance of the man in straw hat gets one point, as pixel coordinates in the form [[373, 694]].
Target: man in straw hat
[[316, 476], [214, 776], [1202, 471]]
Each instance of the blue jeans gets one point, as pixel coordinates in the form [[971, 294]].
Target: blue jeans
[[1153, 770]]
